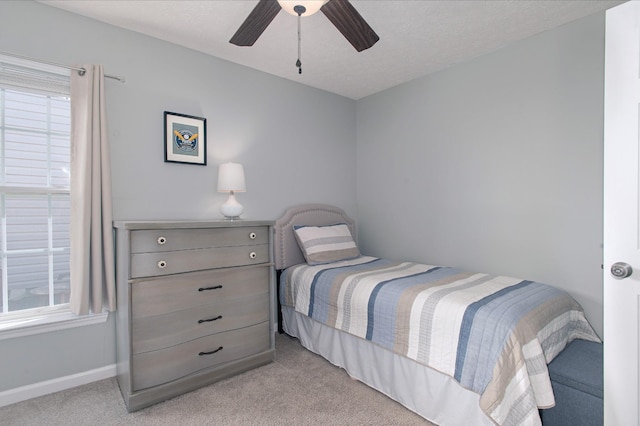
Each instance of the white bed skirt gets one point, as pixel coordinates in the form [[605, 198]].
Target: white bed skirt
[[427, 392]]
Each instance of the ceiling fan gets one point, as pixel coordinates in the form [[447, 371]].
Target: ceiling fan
[[341, 13]]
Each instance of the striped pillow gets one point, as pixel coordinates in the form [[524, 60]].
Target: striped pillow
[[325, 244]]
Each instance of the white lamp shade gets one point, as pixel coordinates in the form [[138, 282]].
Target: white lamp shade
[[231, 178], [312, 6]]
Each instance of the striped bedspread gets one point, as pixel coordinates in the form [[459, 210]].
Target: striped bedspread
[[492, 334]]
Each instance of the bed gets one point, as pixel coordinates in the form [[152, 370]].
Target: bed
[[455, 347]]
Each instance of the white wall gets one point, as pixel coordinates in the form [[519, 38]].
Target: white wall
[[297, 145], [494, 165]]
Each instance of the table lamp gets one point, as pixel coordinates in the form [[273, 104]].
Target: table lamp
[[231, 180]]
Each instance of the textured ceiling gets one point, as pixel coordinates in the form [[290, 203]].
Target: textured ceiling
[[416, 37]]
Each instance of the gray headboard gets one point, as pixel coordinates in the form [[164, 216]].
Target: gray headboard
[[287, 251]]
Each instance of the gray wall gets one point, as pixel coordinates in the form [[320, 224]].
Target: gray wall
[[285, 134], [494, 165]]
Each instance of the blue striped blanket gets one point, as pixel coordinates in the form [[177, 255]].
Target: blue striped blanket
[[494, 335]]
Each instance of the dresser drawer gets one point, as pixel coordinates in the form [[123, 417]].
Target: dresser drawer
[[162, 366], [161, 331], [174, 262], [172, 293], [144, 241]]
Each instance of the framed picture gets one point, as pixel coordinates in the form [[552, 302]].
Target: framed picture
[[185, 139]]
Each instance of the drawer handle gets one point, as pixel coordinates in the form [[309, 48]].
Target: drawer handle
[[162, 264], [212, 352], [252, 255], [252, 235], [162, 240], [210, 319], [209, 288]]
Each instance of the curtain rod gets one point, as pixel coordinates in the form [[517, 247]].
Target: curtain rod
[[81, 71]]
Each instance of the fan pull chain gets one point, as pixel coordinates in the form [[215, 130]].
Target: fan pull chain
[[299, 10], [298, 62]]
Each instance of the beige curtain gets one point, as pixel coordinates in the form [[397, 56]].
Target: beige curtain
[[92, 254]]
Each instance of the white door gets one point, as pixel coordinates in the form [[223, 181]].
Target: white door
[[622, 215]]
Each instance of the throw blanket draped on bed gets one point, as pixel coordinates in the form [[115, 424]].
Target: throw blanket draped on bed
[[492, 334]]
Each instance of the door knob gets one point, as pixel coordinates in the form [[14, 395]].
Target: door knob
[[621, 270]]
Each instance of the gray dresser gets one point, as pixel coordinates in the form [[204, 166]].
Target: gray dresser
[[196, 304]]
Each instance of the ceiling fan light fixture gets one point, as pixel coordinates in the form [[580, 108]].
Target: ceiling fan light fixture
[[340, 13], [311, 6]]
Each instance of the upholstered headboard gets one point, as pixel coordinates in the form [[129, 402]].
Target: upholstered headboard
[[287, 251]]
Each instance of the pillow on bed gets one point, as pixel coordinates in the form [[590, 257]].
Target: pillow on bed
[[325, 244]]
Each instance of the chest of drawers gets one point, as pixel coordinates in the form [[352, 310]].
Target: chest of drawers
[[195, 304]]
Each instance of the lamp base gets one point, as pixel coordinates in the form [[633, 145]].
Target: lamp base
[[231, 209]]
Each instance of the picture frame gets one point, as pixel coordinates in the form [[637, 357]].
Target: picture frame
[[185, 139]]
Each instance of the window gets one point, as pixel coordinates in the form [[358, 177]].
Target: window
[[35, 128]]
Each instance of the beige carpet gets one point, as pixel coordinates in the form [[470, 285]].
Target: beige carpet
[[300, 388]]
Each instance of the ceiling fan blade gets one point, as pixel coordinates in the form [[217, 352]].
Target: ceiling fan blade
[[350, 23], [255, 24]]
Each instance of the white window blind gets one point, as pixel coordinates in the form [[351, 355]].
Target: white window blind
[[35, 127], [20, 74]]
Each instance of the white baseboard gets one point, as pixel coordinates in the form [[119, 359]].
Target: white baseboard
[[34, 390]]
